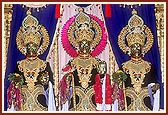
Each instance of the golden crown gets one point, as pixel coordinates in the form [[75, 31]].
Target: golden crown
[[135, 32], [135, 24], [32, 37], [83, 30], [84, 34], [135, 38], [32, 31]]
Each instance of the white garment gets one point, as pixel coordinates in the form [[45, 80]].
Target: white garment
[[155, 98], [12, 108], [115, 105], [51, 100]]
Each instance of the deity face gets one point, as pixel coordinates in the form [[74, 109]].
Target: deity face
[[32, 49], [102, 68], [84, 26], [84, 47], [136, 50]]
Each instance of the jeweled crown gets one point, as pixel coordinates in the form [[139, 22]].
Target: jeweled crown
[[83, 30], [136, 35], [30, 33], [135, 32]]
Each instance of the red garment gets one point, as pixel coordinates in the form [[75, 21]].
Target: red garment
[[98, 90]]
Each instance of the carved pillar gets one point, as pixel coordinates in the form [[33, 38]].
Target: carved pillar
[[159, 13], [7, 18]]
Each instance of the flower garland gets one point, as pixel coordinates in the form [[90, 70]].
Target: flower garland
[[35, 7], [13, 92], [118, 78]]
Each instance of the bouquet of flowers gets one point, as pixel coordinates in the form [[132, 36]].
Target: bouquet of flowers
[[118, 77], [16, 78]]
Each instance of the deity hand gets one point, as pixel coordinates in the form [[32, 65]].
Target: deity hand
[[67, 69], [44, 78], [155, 87]]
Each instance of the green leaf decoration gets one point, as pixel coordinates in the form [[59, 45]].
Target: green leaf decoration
[[15, 77], [119, 76]]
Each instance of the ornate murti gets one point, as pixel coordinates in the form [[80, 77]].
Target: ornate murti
[[84, 33], [34, 73], [136, 39]]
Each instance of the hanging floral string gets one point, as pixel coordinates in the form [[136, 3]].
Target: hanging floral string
[[35, 7], [13, 92], [130, 5], [118, 78]]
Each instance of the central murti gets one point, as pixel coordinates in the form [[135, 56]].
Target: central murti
[[83, 77], [84, 34]]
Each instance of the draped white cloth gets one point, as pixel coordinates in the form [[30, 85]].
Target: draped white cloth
[[155, 98], [12, 108], [51, 100]]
